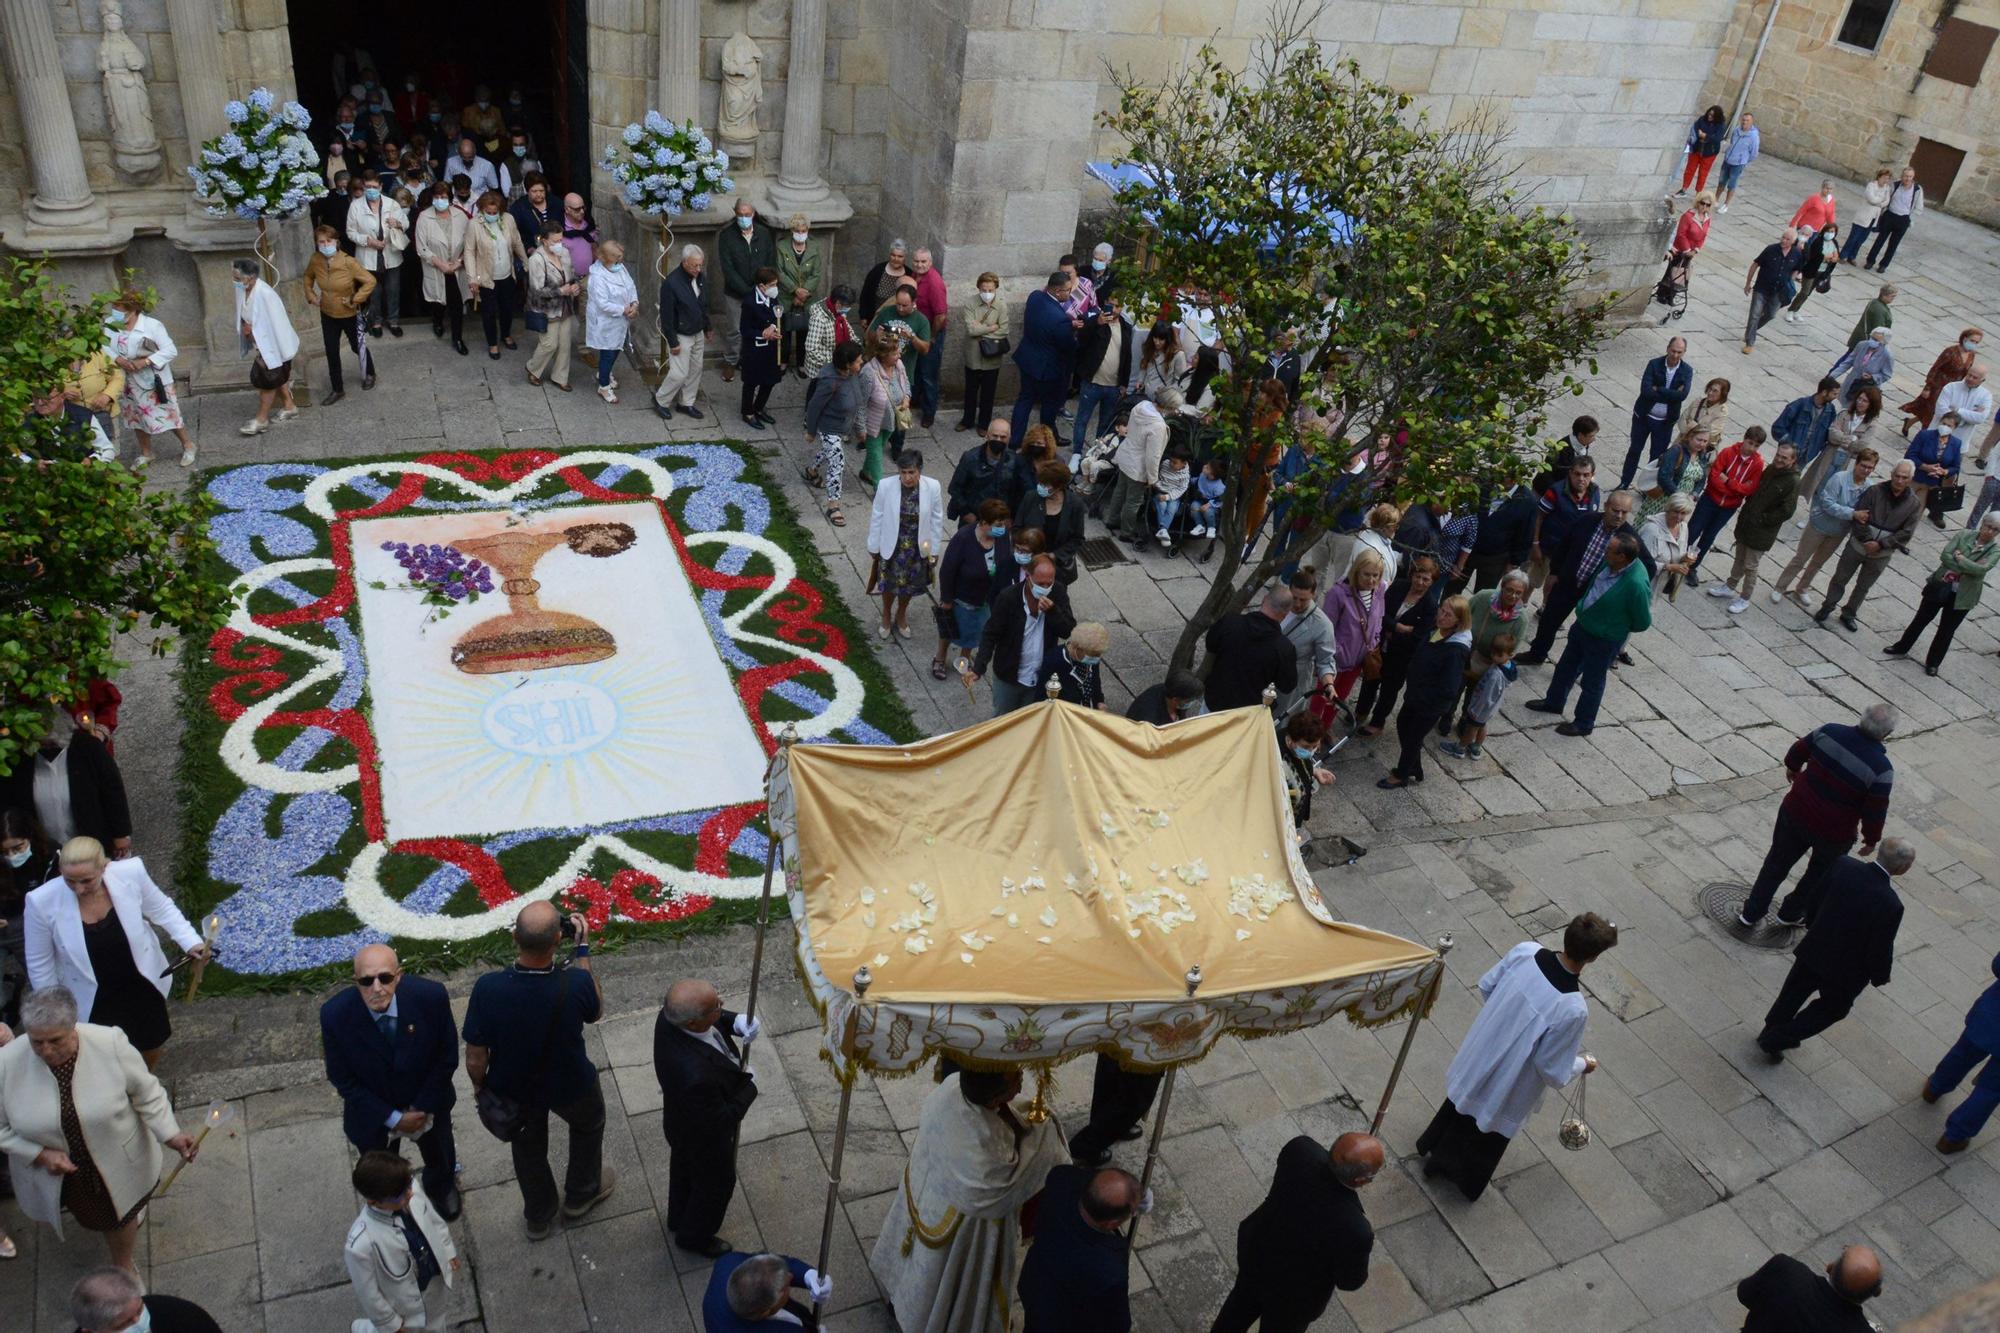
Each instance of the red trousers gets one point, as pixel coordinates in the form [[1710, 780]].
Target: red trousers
[[1696, 172]]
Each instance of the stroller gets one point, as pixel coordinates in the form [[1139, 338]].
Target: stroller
[[1672, 291]]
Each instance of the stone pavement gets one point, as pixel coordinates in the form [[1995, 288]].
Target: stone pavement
[[1705, 1160]]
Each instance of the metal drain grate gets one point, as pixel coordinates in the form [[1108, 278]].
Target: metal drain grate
[[1721, 902], [1100, 552]]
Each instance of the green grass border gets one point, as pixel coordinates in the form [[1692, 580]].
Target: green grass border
[[207, 788]]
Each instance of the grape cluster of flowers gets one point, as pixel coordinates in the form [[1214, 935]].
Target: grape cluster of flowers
[[668, 166], [442, 573], [263, 166]]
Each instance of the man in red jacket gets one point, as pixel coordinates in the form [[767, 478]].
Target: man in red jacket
[[1731, 478]]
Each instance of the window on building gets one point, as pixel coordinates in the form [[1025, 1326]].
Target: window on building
[[1959, 55], [1864, 23]]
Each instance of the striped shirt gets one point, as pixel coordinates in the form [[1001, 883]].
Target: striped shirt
[[1840, 777]]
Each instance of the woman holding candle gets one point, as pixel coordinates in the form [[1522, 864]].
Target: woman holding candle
[[74, 1100]]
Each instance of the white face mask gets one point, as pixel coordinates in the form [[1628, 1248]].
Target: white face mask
[[20, 858], [770, 292], [799, 237], [987, 297], [328, 250]]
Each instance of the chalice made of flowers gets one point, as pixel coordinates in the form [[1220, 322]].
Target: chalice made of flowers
[[530, 637]]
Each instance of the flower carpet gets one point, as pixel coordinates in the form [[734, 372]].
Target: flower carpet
[[457, 682]]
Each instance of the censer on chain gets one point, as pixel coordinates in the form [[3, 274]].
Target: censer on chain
[[1574, 1132]]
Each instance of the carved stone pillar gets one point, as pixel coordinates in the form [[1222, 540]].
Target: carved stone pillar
[[204, 84], [62, 197], [680, 59], [800, 186]]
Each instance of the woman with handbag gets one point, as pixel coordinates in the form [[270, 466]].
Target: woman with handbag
[[1053, 507], [1952, 591], [1820, 255], [1949, 368], [905, 538], [888, 409], [985, 321], [492, 248], [440, 239], [339, 288], [266, 326], [799, 265], [1407, 612], [1355, 606], [138, 344], [757, 323], [1936, 454], [552, 303], [827, 327], [1867, 362]]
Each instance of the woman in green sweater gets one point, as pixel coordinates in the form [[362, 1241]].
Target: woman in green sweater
[[1952, 590]]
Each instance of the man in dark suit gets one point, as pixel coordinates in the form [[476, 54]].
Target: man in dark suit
[[1173, 699], [1308, 1237], [1574, 563], [391, 1049], [684, 328], [1784, 1296], [1048, 346], [1075, 1277], [72, 784], [1119, 1101], [1849, 945], [1979, 1041], [1505, 528], [751, 1291], [1662, 390], [706, 1087], [1021, 638], [1251, 651]]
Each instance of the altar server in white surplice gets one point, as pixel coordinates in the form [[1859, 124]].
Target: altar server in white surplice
[[1526, 1038], [952, 1242]]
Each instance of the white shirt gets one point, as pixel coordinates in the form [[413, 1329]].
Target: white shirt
[[1031, 644], [714, 1038], [1973, 405], [52, 796], [485, 176], [1906, 199], [1524, 1039]]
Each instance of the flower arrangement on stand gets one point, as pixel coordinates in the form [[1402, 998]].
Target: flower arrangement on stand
[[263, 167], [664, 168]]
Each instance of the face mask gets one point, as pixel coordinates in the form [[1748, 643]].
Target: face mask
[[483, 105], [770, 292], [115, 318], [515, 100], [1042, 490], [520, 150], [20, 858], [997, 530], [615, 268], [1041, 589], [490, 219], [409, 85], [436, 116], [371, 193], [328, 250], [744, 224], [1022, 557], [144, 1323], [375, 108], [1303, 751], [440, 204], [799, 237], [1088, 661], [842, 310], [1969, 344], [1097, 265], [986, 298]]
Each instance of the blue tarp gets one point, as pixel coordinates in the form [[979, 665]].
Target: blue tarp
[[1118, 175]]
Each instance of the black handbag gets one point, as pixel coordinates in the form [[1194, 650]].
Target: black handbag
[[1940, 592], [500, 1113], [1947, 499], [535, 321], [946, 617], [795, 320], [995, 346]]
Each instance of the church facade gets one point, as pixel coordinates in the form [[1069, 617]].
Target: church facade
[[963, 125]]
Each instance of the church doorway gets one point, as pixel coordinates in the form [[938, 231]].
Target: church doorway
[[450, 48]]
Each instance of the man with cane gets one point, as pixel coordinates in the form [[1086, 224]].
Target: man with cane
[[706, 1087]]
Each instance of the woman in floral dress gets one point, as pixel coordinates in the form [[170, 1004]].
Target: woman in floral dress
[[139, 345], [905, 537]]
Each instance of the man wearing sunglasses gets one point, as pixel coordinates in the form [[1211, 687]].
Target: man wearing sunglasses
[[391, 1050]]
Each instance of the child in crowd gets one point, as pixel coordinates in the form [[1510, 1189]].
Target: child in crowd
[[1485, 701], [1208, 489], [1305, 770], [1171, 486]]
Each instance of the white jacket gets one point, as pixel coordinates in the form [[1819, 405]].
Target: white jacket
[[124, 1110], [1145, 440], [887, 516], [57, 955], [441, 239], [393, 226], [604, 322], [384, 1274], [1877, 194], [270, 323], [126, 341]]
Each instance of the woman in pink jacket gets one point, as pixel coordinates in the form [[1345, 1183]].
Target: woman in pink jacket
[[1354, 605]]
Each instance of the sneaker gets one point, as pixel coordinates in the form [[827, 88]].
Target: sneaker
[[1161, 534], [604, 392], [1475, 751], [1800, 525], [1722, 208], [1746, 922], [284, 414], [1453, 748], [1776, 597], [607, 1181], [614, 382], [187, 457], [143, 460], [253, 427], [1720, 590], [1738, 607]]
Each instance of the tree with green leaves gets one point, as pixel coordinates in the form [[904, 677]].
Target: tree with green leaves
[[85, 555], [1294, 204]]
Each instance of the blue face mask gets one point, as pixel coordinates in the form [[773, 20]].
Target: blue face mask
[[115, 318], [1022, 557], [1041, 589], [998, 530], [744, 224], [1303, 751], [1089, 661], [1097, 265], [371, 194], [144, 1324], [1043, 491]]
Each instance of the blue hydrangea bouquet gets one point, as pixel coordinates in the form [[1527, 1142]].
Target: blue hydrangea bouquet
[[263, 167], [666, 167]]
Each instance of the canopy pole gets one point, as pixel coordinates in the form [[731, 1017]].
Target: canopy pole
[[1193, 979], [1444, 944], [862, 980], [772, 841]]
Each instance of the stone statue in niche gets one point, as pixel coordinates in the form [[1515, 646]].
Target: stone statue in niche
[[134, 146], [742, 92]]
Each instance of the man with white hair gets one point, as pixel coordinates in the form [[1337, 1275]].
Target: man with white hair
[[744, 246], [110, 1300], [706, 1087], [1765, 283], [1841, 779], [684, 329], [1102, 274], [750, 1291], [1884, 521], [1969, 398], [1849, 945]]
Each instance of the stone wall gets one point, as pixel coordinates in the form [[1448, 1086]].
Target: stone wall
[[1849, 111]]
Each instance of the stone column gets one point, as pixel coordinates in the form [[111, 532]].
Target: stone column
[[799, 185], [62, 197], [680, 59], [198, 58]]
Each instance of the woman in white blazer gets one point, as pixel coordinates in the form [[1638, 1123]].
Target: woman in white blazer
[[380, 231], [145, 351], [380, 1267], [92, 931], [611, 302], [90, 1075], [265, 324], [906, 536], [440, 233]]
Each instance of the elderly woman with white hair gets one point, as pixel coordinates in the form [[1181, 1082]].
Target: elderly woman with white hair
[[1665, 537], [1077, 665], [92, 931], [1867, 362], [82, 1120], [1952, 590], [263, 321]]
